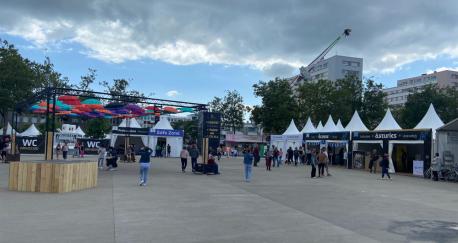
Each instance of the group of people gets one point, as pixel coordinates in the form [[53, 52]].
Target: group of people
[[62, 149], [108, 155], [211, 167], [163, 151]]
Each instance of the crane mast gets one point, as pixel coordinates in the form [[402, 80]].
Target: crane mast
[[320, 57]]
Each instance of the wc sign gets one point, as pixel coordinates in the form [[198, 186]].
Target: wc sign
[[91, 146], [30, 145]]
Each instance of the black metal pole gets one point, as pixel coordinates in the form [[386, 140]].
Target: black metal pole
[[47, 122], [53, 121]]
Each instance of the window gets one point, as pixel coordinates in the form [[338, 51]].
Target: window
[[455, 76]]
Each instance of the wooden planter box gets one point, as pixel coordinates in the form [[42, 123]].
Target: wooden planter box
[[46, 176]]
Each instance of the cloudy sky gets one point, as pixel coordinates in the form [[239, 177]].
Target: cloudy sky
[[194, 50]]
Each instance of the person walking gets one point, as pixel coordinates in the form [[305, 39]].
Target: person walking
[[82, 150], [435, 167], [301, 155], [169, 150], [145, 157], [58, 150], [132, 153], [256, 156], [296, 156], [290, 153], [385, 164], [275, 155], [313, 163], [76, 150], [322, 158], [102, 155], [326, 164], [373, 161], [65, 150], [247, 162], [184, 159], [268, 157], [194, 154]]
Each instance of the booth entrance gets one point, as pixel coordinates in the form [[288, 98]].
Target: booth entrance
[[120, 143], [362, 151], [403, 153]]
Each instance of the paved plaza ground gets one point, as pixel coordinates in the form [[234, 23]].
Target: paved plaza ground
[[283, 205]]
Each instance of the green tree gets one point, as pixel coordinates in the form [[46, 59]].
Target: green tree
[[445, 101], [97, 128], [17, 80], [374, 104], [189, 127], [45, 76], [119, 88], [347, 97], [278, 105], [231, 108], [315, 99]]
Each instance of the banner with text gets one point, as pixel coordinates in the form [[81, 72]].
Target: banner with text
[[91, 146]]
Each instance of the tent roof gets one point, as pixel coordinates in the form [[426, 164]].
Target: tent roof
[[451, 126], [319, 127], [330, 126], [80, 131], [356, 124], [132, 123], [9, 128], [163, 123], [309, 127], [292, 129], [339, 126], [31, 131], [388, 122], [430, 120]]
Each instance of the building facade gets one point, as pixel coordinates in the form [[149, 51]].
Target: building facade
[[397, 96], [333, 68]]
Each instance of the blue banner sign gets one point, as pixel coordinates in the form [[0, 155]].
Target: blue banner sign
[[166, 133]]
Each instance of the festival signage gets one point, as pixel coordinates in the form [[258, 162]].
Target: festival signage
[[209, 127], [91, 146], [393, 135], [418, 167], [131, 131], [30, 145], [327, 136], [166, 133]]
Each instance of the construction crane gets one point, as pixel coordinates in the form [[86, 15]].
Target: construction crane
[[320, 57]]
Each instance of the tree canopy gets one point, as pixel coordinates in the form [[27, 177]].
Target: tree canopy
[[231, 108]]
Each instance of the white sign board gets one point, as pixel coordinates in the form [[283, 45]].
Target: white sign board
[[418, 166]]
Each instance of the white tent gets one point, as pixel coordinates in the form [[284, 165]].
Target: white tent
[[339, 126], [388, 123], [80, 131], [319, 127], [9, 128], [290, 138], [132, 123], [308, 128], [167, 132], [129, 123], [356, 124], [430, 120], [330, 126], [292, 129], [32, 131]]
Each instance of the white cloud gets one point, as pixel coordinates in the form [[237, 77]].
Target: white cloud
[[440, 69], [172, 93], [270, 37]]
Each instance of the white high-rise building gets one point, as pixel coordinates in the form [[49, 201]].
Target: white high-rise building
[[397, 96], [333, 68]]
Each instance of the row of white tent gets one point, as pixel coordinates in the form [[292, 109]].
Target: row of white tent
[[429, 121], [32, 131]]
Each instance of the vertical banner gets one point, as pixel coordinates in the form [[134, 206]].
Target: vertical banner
[[209, 127]]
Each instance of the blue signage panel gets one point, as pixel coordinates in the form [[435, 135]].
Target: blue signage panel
[[166, 133]]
